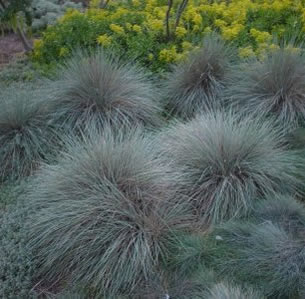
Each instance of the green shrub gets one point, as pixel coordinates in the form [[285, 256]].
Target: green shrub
[[195, 85], [104, 213], [272, 86], [138, 29], [100, 86], [26, 137], [227, 162]]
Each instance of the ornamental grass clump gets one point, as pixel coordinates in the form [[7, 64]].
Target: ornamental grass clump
[[266, 255], [101, 86], [272, 86], [197, 83], [284, 211], [104, 213], [26, 134], [226, 162]]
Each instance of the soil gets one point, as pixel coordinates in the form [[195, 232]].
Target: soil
[[10, 48]]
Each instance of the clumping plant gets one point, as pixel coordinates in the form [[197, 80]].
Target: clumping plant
[[46, 12], [273, 86], [26, 136], [265, 255], [226, 291], [196, 84], [282, 210], [104, 212], [178, 285], [99, 85], [226, 162]]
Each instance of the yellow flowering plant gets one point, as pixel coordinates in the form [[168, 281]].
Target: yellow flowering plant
[[156, 34]]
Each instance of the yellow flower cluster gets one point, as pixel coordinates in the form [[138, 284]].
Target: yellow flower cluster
[[104, 40], [129, 24]]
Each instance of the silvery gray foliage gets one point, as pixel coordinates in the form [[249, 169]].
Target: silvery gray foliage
[[46, 12]]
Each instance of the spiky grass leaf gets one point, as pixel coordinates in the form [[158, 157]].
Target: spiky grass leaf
[[101, 85], [195, 85], [275, 85], [26, 136], [104, 212], [228, 162]]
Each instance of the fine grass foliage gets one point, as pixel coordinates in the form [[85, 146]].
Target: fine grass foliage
[[265, 255], [226, 291], [178, 285], [17, 265], [282, 210], [197, 83], [274, 85], [100, 85], [26, 135], [104, 213], [226, 162]]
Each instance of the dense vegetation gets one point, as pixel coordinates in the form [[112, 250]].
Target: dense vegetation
[[176, 170]]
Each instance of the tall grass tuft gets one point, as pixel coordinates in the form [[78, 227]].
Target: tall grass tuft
[[26, 136], [104, 213], [102, 86], [265, 255], [275, 85], [227, 162], [282, 210], [196, 84]]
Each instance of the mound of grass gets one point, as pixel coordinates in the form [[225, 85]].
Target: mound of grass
[[101, 86], [227, 162], [265, 255], [275, 85], [26, 136], [282, 210], [195, 85], [104, 213]]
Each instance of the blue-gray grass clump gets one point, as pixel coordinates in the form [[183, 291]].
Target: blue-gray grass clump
[[227, 162], [104, 213], [102, 86], [272, 86], [197, 84]]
